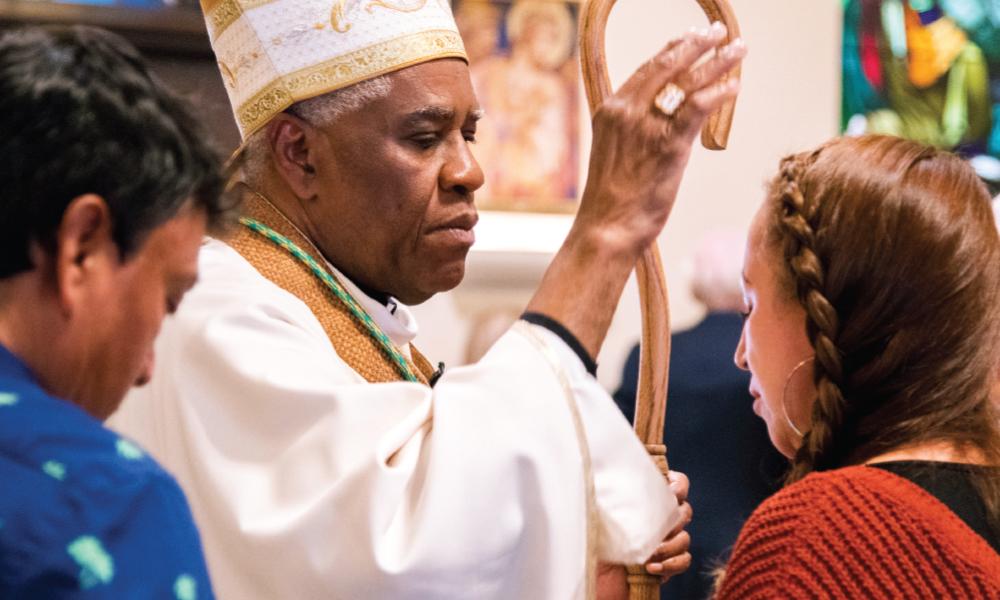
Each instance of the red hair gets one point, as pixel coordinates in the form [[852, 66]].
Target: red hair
[[892, 249]]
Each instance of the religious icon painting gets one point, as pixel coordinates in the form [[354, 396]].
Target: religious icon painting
[[523, 60], [927, 70]]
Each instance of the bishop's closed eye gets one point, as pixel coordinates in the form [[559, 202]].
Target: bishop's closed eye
[[425, 141]]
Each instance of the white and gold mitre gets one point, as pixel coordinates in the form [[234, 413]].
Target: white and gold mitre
[[273, 53]]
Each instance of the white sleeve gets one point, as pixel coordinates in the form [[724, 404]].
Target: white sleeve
[[631, 495], [307, 482]]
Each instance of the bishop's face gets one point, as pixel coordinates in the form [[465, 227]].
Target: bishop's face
[[395, 210]]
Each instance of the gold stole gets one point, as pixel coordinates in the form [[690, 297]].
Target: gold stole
[[348, 335]]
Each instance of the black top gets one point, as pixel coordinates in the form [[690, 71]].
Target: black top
[[951, 484]]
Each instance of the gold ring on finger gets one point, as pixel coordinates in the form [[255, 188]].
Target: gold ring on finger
[[670, 98]]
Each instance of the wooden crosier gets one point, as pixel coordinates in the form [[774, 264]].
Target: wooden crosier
[[654, 354]]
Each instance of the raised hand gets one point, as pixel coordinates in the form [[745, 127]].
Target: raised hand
[[639, 152]]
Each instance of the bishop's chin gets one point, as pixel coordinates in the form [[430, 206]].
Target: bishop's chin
[[443, 279]]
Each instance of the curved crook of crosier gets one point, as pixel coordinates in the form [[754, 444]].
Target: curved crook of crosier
[[654, 356]]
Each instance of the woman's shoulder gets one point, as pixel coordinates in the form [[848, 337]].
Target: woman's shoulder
[[861, 531], [847, 498], [800, 500], [790, 515]]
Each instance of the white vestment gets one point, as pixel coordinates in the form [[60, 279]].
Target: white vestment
[[308, 482]]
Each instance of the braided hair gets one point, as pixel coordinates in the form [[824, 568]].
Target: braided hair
[[797, 217], [891, 249]]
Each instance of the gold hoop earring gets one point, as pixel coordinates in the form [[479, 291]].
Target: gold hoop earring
[[784, 391]]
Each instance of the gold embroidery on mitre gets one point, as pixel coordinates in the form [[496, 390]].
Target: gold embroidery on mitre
[[259, 110], [297, 32], [227, 75], [208, 6], [220, 14], [223, 15], [337, 19], [345, 70], [396, 7]]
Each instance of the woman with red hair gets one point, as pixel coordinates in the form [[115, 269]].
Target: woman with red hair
[[872, 291]]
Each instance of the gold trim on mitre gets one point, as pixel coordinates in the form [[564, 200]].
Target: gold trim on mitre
[[345, 70], [220, 14]]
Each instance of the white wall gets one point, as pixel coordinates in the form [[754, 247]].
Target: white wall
[[790, 101]]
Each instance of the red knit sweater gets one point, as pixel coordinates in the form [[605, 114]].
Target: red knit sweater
[[858, 532]]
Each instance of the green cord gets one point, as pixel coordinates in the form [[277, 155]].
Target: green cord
[[338, 290]]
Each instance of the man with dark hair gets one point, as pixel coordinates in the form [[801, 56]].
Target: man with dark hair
[[108, 191]]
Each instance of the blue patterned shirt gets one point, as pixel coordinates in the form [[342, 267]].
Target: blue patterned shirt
[[85, 513]]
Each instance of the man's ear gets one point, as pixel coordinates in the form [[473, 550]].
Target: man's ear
[[84, 248], [293, 145]]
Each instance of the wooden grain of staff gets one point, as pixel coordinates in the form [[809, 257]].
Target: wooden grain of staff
[[654, 353]]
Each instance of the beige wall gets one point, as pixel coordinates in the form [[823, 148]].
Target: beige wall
[[790, 101]]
